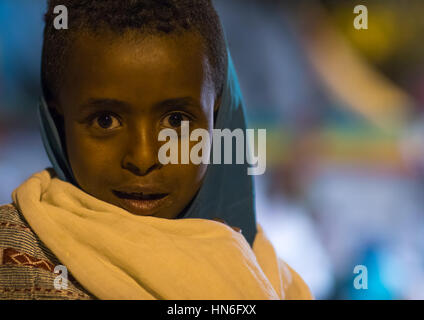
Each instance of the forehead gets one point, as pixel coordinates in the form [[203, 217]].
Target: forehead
[[136, 68]]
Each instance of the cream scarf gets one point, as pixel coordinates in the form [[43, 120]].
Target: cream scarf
[[117, 255]]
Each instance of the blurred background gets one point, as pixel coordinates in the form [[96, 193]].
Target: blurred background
[[343, 109]]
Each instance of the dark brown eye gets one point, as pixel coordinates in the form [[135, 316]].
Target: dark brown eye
[[174, 119], [106, 121]]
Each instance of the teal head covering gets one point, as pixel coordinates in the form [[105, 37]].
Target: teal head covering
[[227, 191]]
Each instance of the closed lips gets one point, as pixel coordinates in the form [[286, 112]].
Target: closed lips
[[139, 195]]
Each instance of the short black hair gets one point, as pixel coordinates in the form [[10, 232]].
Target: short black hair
[[147, 16]]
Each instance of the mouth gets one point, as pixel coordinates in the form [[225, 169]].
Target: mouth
[[141, 203]]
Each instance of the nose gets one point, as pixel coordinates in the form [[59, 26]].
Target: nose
[[141, 156]]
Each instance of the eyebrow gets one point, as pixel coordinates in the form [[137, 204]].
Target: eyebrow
[[95, 104], [176, 102], [99, 103]]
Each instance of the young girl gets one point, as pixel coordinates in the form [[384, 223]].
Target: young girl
[[108, 214]]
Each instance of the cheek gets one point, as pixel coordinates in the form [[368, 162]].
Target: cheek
[[197, 172], [90, 159], [188, 179], [190, 175]]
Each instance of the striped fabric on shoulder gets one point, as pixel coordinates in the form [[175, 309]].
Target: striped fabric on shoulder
[[27, 266]]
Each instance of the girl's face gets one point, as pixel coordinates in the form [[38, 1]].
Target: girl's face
[[118, 93]]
